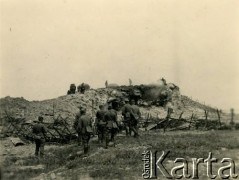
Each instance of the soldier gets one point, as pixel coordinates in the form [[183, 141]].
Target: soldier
[[126, 112], [163, 98], [135, 118], [111, 125], [75, 125], [164, 81], [106, 84], [85, 129], [130, 82], [68, 92], [82, 88], [115, 102], [131, 116], [73, 88], [39, 132], [100, 123]]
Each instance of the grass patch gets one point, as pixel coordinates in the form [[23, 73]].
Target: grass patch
[[125, 160]]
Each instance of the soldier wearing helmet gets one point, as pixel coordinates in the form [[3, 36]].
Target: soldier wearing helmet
[[100, 123], [131, 115], [111, 125], [75, 125], [39, 132], [135, 116], [126, 111], [85, 129]]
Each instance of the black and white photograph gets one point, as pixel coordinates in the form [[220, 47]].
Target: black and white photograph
[[119, 89]]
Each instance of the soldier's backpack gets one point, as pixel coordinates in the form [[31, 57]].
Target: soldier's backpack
[[128, 115], [37, 137], [115, 126], [89, 129], [102, 123]]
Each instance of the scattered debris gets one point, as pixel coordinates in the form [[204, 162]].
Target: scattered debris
[[18, 115], [53, 176], [37, 167], [17, 141]]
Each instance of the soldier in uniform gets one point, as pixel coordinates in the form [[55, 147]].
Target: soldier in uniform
[[75, 125], [126, 112], [39, 131], [111, 125], [82, 88], [131, 115], [135, 116], [106, 84], [85, 129], [100, 123]]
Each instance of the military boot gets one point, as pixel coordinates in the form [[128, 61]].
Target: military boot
[[86, 149]]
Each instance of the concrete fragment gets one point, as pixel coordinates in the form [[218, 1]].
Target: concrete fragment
[[79, 153], [223, 149], [17, 141], [37, 167], [53, 176], [151, 126]]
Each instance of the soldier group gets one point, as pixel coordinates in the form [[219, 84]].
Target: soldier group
[[106, 124], [81, 88]]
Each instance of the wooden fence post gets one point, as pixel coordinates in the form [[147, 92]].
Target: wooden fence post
[[53, 109], [206, 116], [180, 116], [189, 127], [232, 116], [219, 118], [167, 119]]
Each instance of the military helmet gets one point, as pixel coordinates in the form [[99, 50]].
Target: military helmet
[[83, 110], [40, 118], [126, 100], [80, 107], [110, 106]]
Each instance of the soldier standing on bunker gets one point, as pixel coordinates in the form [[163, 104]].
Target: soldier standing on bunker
[[106, 84], [111, 125], [75, 125], [85, 129], [126, 112], [82, 88], [39, 131], [100, 123], [135, 118], [164, 81]]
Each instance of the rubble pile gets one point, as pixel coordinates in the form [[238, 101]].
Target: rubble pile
[[17, 114], [65, 106]]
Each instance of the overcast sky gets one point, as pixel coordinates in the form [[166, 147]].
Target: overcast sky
[[47, 45]]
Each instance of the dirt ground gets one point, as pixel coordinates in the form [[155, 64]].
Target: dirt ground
[[121, 162]]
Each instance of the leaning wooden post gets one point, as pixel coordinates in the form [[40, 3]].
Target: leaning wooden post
[[206, 116], [232, 116], [180, 116], [189, 127], [167, 118], [219, 118], [147, 121], [53, 109], [93, 119]]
